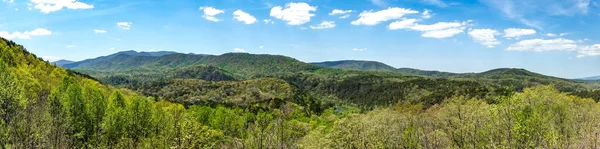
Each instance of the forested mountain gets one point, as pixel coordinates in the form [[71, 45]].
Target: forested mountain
[[110, 57], [356, 65], [594, 78], [62, 62], [266, 101]]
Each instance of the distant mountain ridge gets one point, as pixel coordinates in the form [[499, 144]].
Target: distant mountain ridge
[[108, 57], [593, 78], [357, 65], [242, 66], [62, 62]]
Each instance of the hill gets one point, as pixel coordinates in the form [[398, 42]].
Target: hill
[[62, 62], [109, 57], [240, 65], [356, 65], [594, 78]]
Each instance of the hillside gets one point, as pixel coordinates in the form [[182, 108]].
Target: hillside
[[89, 62], [518, 79], [594, 78], [201, 104], [356, 65]]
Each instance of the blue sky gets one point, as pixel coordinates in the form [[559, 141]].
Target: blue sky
[[554, 37]]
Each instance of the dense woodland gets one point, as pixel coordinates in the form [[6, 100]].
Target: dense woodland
[[262, 101]]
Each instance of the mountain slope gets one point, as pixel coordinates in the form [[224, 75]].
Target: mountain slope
[[356, 65], [594, 78], [62, 62], [241, 65], [109, 57]]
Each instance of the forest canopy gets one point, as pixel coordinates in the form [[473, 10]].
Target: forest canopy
[[246, 104]]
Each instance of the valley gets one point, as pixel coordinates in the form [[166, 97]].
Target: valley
[[238, 100]]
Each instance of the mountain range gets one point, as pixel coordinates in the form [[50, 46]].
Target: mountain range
[[594, 78], [242, 66]]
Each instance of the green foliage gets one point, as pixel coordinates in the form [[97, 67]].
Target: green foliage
[[288, 105]]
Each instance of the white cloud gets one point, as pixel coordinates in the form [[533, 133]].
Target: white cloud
[[324, 25], [243, 17], [540, 45], [47, 6], [339, 12], [294, 13], [564, 34], [402, 24], [70, 46], [99, 31], [51, 58], [124, 25], [441, 29], [551, 35], [426, 14], [518, 32], [593, 50], [25, 35], [260, 47], [485, 37], [359, 49], [239, 50], [268, 21], [210, 13], [9, 1], [438, 3], [342, 13], [111, 48], [373, 18], [437, 30], [443, 33]]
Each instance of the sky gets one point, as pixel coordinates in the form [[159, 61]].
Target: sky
[[553, 37]]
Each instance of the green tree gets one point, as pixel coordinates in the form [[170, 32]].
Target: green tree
[[115, 119]]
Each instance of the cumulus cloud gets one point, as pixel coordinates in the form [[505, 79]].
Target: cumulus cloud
[[359, 49], [375, 17], [342, 13], [540, 45], [294, 13], [441, 29], [124, 25], [437, 30], [518, 32], [99, 31], [242, 16], [25, 35], [239, 50], [339, 12], [426, 14], [551, 35], [402, 24], [485, 37], [593, 50], [47, 6], [268, 21], [324, 25], [210, 13]]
